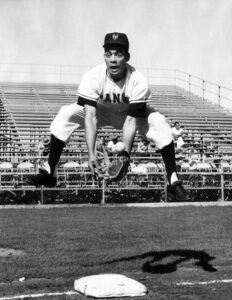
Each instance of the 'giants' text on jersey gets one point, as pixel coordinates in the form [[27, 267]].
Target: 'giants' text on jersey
[[114, 98]]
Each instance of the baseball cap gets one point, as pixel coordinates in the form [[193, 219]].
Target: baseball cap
[[46, 141], [116, 38]]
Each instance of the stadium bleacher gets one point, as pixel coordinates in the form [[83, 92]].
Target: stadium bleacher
[[28, 109]]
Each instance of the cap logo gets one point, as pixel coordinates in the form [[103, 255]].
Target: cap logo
[[115, 36]]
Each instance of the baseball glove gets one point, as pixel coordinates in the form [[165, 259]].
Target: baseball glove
[[117, 168]]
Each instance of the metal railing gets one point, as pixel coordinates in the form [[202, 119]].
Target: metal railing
[[206, 90], [77, 185], [72, 74], [203, 187]]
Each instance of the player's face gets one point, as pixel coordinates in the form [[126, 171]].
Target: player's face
[[116, 59]]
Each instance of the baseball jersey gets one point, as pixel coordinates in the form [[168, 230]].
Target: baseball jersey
[[128, 95]]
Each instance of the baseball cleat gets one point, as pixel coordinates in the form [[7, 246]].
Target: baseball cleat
[[177, 192], [42, 179]]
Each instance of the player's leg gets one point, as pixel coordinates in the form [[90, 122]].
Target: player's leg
[[159, 132], [69, 118]]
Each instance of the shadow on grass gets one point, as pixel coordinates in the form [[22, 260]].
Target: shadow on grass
[[175, 257]]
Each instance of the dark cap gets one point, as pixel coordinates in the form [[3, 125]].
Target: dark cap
[[46, 141], [116, 38]]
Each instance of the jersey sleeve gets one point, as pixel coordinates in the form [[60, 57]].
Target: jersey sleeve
[[140, 95], [88, 90]]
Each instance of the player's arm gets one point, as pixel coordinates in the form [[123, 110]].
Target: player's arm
[[140, 95], [137, 109], [91, 134], [129, 131], [88, 95], [118, 167]]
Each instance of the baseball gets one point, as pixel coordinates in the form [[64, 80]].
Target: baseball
[[119, 147]]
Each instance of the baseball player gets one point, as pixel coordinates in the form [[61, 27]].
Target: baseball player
[[112, 94]]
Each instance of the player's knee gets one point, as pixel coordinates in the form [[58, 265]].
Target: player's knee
[[62, 118], [159, 132], [58, 125], [155, 117], [65, 113]]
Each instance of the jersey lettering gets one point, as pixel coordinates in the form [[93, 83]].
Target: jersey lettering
[[107, 98], [115, 98], [125, 99]]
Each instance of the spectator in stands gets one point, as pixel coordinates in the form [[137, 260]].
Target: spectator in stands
[[170, 122], [101, 145], [43, 147], [143, 146], [112, 94], [177, 133], [111, 146], [180, 159], [194, 158], [43, 150]]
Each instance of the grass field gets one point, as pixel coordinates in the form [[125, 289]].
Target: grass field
[[177, 252]]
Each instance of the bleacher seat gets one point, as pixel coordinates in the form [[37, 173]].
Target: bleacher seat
[[184, 167], [6, 166], [22, 126], [25, 167], [204, 167]]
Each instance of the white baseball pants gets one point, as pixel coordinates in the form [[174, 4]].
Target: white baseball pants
[[71, 117]]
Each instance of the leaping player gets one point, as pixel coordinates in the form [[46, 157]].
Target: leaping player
[[112, 94]]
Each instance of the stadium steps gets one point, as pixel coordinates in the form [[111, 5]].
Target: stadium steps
[[191, 111], [30, 109], [9, 134]]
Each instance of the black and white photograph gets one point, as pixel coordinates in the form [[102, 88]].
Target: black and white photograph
[[115, 149]]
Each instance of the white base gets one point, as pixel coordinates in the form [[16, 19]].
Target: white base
[[109, 286]]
